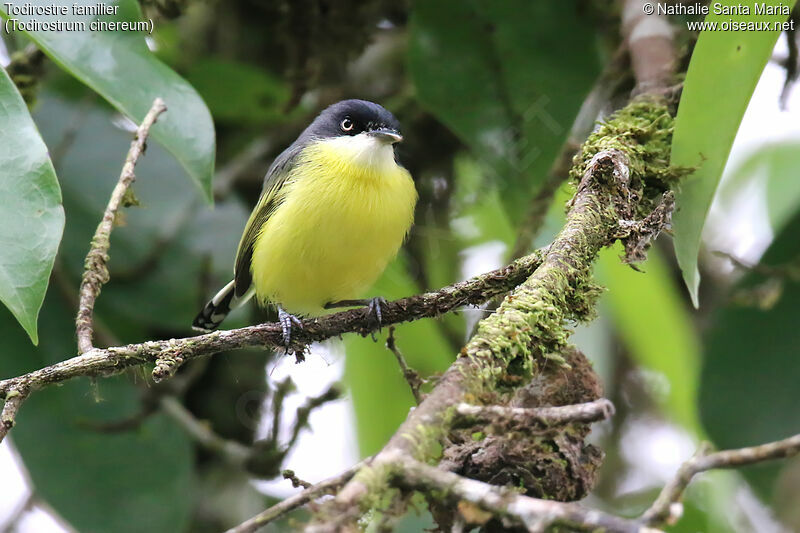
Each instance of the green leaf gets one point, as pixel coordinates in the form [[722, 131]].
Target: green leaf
[[722, 75], [514, 101], [139, 480], [119, 66], [774, 168], [381, 396], [656, 328], [749, 392], [31, 215]]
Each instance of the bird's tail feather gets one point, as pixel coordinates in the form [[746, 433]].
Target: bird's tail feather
[[215, 311]]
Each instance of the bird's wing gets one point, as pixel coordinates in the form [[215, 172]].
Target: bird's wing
[[271, 197]]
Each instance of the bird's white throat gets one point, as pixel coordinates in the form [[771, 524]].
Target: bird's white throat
[[364, 150]]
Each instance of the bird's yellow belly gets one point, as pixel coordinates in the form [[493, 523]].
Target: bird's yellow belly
[[332, 236]]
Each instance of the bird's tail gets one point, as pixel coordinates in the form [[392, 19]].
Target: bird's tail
[[215, 311]]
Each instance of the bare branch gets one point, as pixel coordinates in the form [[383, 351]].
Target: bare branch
[[333, 393], [667, 509], [233, 452], [595, 411], [650, 40], [108, 361], [96, 269], [298, 500], [411, 376], [534, 514], [8, 415], [296, 481]]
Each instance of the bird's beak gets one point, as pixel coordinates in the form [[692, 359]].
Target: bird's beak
[[386, 135]]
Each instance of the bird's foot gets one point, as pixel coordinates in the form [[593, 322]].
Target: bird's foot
[[374, 309], [373, 305], [288, 321]]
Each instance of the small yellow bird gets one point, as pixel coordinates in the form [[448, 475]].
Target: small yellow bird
[[335, 208]]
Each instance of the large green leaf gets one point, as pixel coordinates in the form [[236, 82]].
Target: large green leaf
[[513, 101], [140, 480], [656, 328], [31, 216], [722, 75], [749, 392], [119, 66]]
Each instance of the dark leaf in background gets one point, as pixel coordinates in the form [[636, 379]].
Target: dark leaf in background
[[513, 101], [31, 224], [157, 253], [119, 66], [140, 480], [749, 390], [239, 93]]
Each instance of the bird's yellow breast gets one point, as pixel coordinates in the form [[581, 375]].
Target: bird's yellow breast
[[346, 209]]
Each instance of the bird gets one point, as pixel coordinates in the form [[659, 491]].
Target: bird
[[334, 210]]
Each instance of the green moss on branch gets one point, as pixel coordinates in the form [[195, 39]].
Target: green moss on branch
[[621, 173]]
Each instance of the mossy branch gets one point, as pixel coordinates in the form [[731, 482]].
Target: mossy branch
[[619, 179]]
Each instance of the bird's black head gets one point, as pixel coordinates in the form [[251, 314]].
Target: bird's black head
[[352, 117]]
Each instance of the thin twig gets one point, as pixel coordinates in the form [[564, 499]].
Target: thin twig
[[96, 269], [333, 393], [667, 509], [121, 425], [595, 411], [789, 270], [298, 500], [8, 415], [233, 452], [296, 481], [413, 378]]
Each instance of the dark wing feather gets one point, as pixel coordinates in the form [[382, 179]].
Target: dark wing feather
[[270, 199]]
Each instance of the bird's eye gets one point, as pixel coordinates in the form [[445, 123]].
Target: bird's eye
[[347, 125]]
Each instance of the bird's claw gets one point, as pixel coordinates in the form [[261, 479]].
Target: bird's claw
[[374, 309], [287, 321]]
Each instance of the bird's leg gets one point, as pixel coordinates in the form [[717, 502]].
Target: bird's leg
[[373, 306], [287, 320]]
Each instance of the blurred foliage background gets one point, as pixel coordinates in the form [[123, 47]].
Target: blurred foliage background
[[487, 93]]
